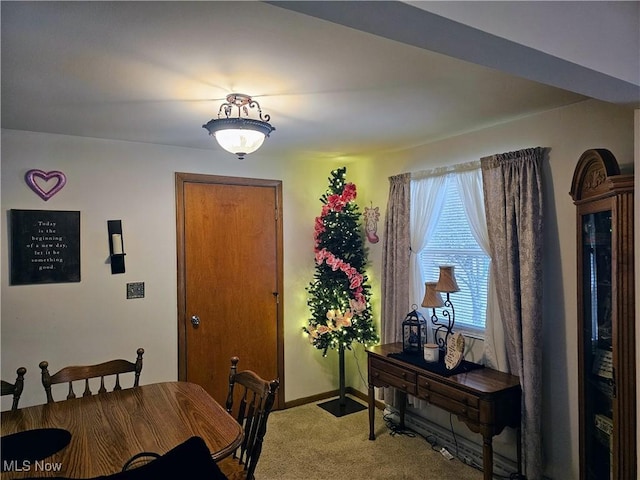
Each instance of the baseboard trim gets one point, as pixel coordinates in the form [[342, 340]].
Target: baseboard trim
[[364, 397], [312, 399], [333, 393]]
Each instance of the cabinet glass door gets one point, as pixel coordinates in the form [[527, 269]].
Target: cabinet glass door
[[598, 347]]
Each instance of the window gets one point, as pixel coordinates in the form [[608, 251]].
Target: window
[[453, 244]]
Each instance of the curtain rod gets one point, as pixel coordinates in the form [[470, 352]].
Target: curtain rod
[[434, 172]]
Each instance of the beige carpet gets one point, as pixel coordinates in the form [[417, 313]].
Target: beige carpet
[[309, 443]]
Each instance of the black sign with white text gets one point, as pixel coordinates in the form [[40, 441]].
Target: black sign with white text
[[45, 246]]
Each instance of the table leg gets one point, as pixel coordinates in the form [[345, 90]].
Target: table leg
[[372, 413], [487, 456], [403, 407]]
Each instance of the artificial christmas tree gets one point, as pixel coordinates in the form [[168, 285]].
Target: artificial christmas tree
[[339, 293]]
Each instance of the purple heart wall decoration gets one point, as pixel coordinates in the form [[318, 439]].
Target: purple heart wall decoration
[[53, 182]]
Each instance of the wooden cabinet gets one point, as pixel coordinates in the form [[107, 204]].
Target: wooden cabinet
[[606, 333]]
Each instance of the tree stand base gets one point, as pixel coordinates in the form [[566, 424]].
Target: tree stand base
[[341, 407]]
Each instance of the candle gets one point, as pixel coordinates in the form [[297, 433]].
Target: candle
[[116, 243], [431, 353]]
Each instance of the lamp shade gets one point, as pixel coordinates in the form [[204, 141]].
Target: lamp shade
[[447, 280], [432, 298]]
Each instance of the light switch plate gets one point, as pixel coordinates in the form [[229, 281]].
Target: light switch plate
[[135, 290]]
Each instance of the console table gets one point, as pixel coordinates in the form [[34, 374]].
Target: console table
[[486, 400]]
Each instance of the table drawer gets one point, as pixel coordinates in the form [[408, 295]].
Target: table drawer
[[427, 385], [461, 409], [383, 373]]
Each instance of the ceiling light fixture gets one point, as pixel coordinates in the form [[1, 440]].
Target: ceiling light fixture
[[239, 135]]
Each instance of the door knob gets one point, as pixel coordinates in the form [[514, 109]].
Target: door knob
[[195, 320]]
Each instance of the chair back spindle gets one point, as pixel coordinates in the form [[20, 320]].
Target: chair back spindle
[[15, 388], [88, 372]]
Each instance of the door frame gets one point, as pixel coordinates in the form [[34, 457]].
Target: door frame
[[181, 178]]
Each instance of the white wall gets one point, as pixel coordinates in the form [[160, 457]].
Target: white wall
[[568, 132], [92, 320]]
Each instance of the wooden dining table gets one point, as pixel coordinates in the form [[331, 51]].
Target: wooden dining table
[[108, 429]]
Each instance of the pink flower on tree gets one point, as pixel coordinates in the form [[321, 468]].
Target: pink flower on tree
[[349, 192]]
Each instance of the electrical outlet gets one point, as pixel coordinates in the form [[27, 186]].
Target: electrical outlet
[[135, 290]]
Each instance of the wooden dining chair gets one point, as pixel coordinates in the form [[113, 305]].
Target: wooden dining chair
[[14, 389], [88, 372], [256, 397]]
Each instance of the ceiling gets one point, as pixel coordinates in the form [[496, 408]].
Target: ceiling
[[155, 72]]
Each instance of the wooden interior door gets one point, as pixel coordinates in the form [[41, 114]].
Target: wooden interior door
[[229, 279]]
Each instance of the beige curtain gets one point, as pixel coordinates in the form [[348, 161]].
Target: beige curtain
[[512, 184], [395, 258]]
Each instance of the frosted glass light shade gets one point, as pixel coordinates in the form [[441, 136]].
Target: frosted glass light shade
[[239, 136], [240, 141]]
